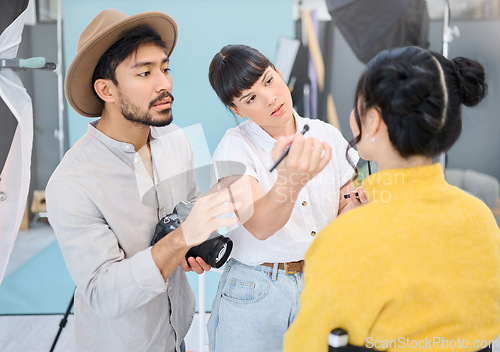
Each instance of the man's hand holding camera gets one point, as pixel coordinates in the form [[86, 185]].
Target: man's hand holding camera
[[203, 219]]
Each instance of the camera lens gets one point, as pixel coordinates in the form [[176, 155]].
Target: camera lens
[[221, 253], [214, 251]]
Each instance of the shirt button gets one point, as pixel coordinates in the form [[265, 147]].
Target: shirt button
[[3, 196], [313, 233], [304, 203]]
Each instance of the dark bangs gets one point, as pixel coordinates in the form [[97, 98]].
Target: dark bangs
[[235, 69]]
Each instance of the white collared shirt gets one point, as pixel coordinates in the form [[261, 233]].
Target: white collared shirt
[[318, 201]]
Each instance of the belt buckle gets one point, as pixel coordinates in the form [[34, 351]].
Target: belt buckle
[[288, 270]]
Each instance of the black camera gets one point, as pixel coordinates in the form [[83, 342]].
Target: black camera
[[214, 251]]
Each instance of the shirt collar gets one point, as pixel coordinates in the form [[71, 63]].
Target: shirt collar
[[113, 144]]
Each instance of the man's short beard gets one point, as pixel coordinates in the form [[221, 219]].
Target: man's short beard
[[132, 113], [146, 118]]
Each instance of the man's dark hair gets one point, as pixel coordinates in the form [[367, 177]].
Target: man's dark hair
[[128, 43]]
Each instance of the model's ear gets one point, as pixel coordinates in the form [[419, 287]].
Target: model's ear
[[374, 121], [105, 89], [236, 111]]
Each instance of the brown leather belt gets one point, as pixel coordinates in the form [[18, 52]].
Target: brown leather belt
[[290, 267]]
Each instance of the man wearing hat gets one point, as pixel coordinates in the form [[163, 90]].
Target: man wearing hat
[[128, 171]]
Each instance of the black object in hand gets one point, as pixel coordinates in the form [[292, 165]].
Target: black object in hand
[[347, 195], [214, 251]]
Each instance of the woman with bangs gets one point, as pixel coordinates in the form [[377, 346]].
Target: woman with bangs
[[282, 210]]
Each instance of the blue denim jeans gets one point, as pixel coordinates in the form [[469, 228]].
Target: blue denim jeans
[[253, 308]]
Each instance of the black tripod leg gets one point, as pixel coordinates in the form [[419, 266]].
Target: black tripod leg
[[63, 322]]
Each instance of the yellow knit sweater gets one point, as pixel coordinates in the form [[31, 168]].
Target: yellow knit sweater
[[418, 268]]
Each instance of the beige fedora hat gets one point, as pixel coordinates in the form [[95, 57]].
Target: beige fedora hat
[[104, 30]]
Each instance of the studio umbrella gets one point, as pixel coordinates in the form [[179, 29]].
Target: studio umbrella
[[16, 111]]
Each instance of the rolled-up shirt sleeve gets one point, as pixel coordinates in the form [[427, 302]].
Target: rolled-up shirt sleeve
[[232, 158]]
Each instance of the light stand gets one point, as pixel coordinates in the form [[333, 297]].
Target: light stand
[[63, 322], [448, 31], [448, 34]]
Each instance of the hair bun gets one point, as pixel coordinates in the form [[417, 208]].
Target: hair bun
[[405, 90], [472, 79]]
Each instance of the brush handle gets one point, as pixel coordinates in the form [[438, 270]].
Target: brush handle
[[285, 153]]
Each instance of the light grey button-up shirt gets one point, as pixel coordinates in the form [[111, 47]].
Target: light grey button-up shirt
[[104, 206]]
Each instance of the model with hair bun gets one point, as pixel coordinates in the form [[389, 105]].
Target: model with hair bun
[[418, 267]]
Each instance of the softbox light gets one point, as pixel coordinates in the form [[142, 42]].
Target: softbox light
[[370, 26]]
